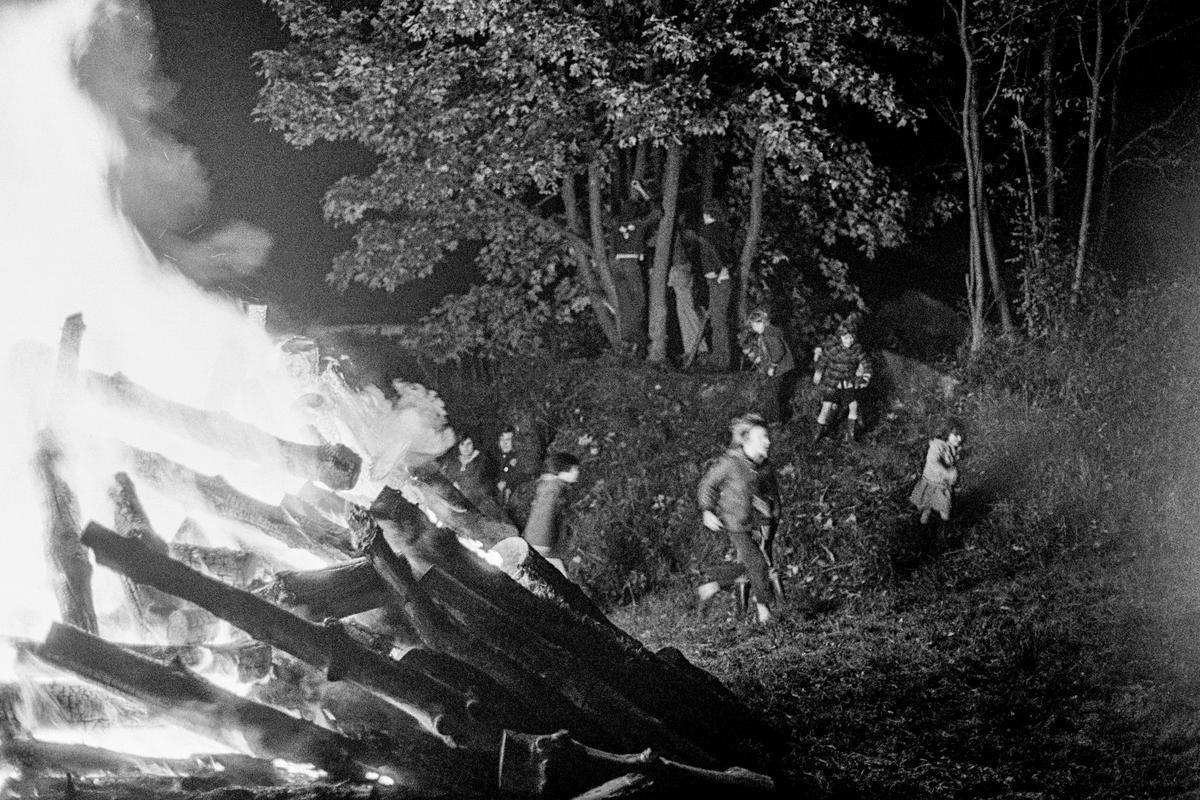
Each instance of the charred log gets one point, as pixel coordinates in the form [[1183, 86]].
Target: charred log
[[33, 757], [557, 766], [36, 705], [324, 647], [239, 568], [451, 508], [69, 569], [219, 497], [340, 590], [179, 695], [337, 466], [676, 691]]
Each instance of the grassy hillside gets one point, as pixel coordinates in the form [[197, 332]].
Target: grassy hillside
[[1047, 647]]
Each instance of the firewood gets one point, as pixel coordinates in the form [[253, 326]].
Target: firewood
[[329, 503], [415, 760], [631, 786], [676, 691], [324, 647], [556, 765], [504, 641], [451, 508], [67, 562], [249, 660], [240, 568], [339, 590], [41, 704], [34, 757], [129, 518], [194, 703], [217, 496], [612, 718], [337, 466]]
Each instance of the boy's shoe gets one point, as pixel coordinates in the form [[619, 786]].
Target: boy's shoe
[[704, 596]]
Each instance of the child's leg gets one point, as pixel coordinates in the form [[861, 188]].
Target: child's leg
[[826, 410], [925, 512]]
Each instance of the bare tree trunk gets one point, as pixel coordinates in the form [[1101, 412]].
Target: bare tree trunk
[[601, 306], [662, 254], [753, 225], [599, 243], [1049, 164], [1033, 235], [1095, 77], [970, 110]]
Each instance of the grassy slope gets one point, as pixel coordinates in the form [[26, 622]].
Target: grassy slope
[[1049, 649]]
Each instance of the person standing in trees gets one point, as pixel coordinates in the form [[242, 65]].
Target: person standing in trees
[[772, 358], [634, 225], [842, 372], [543, 530], [680, 279], [731, 499], [713, 246]]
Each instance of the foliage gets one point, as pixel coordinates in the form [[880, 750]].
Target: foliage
[[479, 112]]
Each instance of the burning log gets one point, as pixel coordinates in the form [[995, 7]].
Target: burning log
[[216, 495], [310, 519], [240, 568], [336, 466], [557, 766], [68, 565], [249, 660], [67, 369], [337, 591], [324, 647], [190, 701], [329, 503], [34, 705], [34, 757], [451, 508]]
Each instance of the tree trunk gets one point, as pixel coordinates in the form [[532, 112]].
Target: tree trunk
[[324, 647], [662, 254], [555, 765], [599, 241], [1095, 76], [67, 562], [970, 112], [584, 264], [753, 226], [1049, 159], [708, 164], [337, 466]]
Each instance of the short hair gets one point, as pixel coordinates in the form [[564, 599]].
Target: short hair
[[740, 427], [758, 315], [558, 461], [948, 426]]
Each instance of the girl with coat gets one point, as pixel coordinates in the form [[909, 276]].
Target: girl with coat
[[935, 488], [842, 372]]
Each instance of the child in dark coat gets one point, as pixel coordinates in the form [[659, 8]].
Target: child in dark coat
[[842, 372], [773, 360]]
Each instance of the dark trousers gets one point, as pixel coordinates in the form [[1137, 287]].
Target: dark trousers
[[775, 396], [753, 565]]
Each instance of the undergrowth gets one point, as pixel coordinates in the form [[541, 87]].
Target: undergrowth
[[1048, 645]]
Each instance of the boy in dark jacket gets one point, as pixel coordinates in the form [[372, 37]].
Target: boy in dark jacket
[[730, 497], [543, 529], [842, 373], [773, 360]]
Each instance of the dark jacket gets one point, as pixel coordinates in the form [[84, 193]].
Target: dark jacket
[[728, 490], [844, 367], [772, 350], [543, 528], [474, 478]]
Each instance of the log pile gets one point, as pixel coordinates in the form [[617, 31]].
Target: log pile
[[407, 660]]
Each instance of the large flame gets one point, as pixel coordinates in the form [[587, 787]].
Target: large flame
[[67, 248]]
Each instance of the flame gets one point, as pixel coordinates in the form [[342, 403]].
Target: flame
[[67, 248]]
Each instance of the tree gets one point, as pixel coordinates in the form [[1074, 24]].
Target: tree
[[525, 125]]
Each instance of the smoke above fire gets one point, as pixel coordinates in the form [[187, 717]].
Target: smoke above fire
[[84, 163]]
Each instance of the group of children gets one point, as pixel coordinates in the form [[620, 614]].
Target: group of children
[[739, 495], [518, 485]]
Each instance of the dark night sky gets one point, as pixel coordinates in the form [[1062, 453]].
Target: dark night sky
[[206, 48]]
